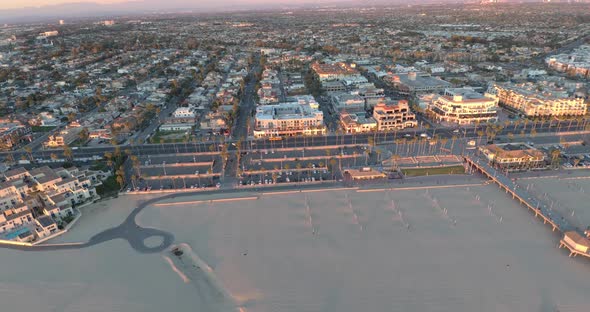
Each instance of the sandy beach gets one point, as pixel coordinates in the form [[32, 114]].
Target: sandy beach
[[465, 248], [567, 193]]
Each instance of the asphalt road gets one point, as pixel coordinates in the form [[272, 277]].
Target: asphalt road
[[303, 142]]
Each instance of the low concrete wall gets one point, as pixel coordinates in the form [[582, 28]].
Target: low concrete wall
[[54, 235], [9, 242], [180, 176], [188, 164], [286, 183], [167, 191], [65, 230], [275, 160]]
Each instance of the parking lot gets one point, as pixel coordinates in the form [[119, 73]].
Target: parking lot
[[176, 171], [287, 176]]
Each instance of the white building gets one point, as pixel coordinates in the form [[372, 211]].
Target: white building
[[463, 106], [288, 119], [184, 112]]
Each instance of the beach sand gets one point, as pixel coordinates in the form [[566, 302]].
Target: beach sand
[[456, 249], [444, 250], [568, 194], [107, 277]]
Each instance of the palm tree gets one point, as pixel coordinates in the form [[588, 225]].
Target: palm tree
[[298, 166], [133, 179], [371, 142], [576, 161], [53, 156], [516, 123], [29, 151], [333, 167], [68, 152], [397, 143], [120, 181], [395, 158], [209, 172], [555, 154], [443, 144], [453, 139]]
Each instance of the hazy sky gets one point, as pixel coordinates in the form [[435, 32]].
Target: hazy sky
[[16, 4], [19, 4]]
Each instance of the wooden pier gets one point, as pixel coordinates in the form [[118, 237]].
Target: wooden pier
[[540, 208]]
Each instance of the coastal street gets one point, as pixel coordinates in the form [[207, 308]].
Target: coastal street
[[543, 131]]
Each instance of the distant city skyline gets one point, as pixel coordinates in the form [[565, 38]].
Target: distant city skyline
[[20, 4]]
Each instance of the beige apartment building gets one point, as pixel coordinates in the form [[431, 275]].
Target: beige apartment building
[[357, 123], [539, 100], [394, 116], [331, 72], [514, 156]]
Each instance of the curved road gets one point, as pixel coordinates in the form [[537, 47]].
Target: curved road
[[129, 230]]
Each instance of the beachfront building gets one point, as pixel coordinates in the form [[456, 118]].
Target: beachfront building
[[514, 156], [414, 83], [9, 196], [45, 226], [463, 106], [538, 100], [576, 243], [357, 122], [365, 173], [289, 119], [391, 116], [15, 218], [51, 193]]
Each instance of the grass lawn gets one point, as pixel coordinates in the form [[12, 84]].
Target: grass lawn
[[171, 137], [42, 128], [416, 172]]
